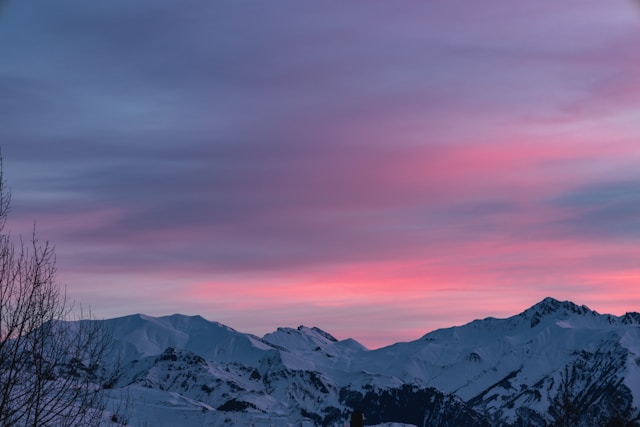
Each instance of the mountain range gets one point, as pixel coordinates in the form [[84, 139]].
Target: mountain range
[[555, 364]]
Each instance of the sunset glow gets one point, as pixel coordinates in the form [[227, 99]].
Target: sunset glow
[[377, 170]]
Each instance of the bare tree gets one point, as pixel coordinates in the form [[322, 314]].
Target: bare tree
[[50, 367]]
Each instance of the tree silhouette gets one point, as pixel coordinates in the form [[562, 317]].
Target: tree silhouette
[[50, 368]]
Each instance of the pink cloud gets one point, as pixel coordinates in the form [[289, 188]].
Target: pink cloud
[[379, 172]]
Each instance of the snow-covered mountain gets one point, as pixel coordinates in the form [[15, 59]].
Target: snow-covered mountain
[[556, 363]]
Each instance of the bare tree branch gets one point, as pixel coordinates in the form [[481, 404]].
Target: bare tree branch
[[51, 368]]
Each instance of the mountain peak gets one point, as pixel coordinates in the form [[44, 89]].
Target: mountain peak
[[549, 306], [318, 331], [631, 318]]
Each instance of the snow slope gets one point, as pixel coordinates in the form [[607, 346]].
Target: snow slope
[[535, 368]]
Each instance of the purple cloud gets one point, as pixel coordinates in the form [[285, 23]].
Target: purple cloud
[[446, 151]]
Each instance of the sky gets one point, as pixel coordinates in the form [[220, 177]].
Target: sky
[[377, 169]]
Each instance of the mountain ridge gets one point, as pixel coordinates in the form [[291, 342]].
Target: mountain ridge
[[505, 372]]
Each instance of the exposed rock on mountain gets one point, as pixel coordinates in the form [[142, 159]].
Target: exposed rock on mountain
[[556, 363]]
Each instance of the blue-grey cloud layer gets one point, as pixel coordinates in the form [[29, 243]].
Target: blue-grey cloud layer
[[226, 138]]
